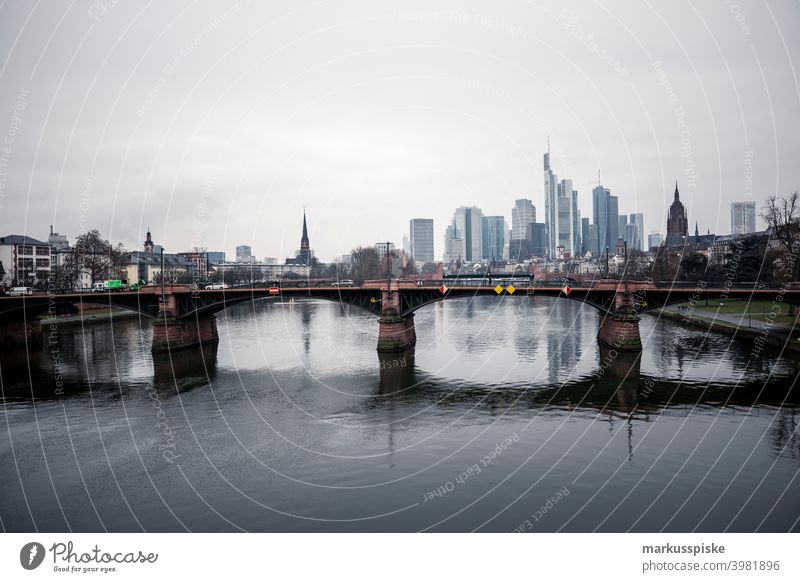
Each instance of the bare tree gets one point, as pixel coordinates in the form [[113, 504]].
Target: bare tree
[[366, 264], [665, 264], [638, 265], [95, 256], [782, 215]]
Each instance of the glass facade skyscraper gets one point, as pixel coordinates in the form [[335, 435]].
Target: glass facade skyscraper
[[494, 237], [421, 239], [605, 211], [523, 213], [469, 224], [562, 219]]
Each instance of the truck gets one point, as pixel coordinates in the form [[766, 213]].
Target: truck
[[110, 285]]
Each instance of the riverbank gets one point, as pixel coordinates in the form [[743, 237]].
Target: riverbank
[[90, 315], [755, 332]]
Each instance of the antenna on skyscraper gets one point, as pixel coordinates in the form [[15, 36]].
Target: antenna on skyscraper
[[599, 182]]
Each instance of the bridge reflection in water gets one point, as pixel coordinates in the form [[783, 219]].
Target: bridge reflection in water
[[293, 411]]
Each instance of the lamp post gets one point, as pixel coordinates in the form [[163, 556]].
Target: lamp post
[[625, 268], [388, 270], [162, 276]]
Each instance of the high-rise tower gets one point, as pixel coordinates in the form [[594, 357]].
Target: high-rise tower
[[561, 218]]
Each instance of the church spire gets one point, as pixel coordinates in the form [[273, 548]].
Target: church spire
[[677, 197], [305, 247]]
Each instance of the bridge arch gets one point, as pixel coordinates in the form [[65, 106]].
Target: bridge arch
[[410, 305]]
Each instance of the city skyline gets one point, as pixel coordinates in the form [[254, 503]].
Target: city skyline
[[110, 133], [522, 213]]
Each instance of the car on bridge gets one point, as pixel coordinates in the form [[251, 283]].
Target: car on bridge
[[216, 286], [17, 291], [344, 283]]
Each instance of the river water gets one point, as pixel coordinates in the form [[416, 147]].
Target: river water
[[506, 417]]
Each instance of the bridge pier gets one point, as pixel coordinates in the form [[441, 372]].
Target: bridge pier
[[620, 330], [396, 332], [20, 333], [171, 333]]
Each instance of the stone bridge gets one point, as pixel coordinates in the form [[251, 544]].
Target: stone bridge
[[184, 317]]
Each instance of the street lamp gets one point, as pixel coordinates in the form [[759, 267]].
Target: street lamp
[[388, 269], [625, 269], [162, 276]]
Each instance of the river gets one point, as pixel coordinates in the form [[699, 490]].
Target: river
[[507, 417]]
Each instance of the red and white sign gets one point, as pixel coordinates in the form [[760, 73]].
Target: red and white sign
[[274, 290], [443, 288], [566, 289]]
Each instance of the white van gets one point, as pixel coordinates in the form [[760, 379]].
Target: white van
[[16, 291]]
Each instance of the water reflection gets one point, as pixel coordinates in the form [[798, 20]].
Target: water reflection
[[296, 409], [396, 372], [187, 368]]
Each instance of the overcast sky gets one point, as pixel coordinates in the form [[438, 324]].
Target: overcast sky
[[215, 124]]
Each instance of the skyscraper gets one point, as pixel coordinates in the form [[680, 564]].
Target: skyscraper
[[588, 237], [421, 243], [629, 236], [637, 220], [550, 205], [494, 237], [623, 222], [577, 235], [593, 240], [605, 210], [468, 221], [613, 222], [537, 241], [453, 244], [562, 221], [523, 213], [743, 217]]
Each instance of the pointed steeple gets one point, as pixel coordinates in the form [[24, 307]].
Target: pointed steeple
[[696, 230], [305, 247], [677, 196]]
